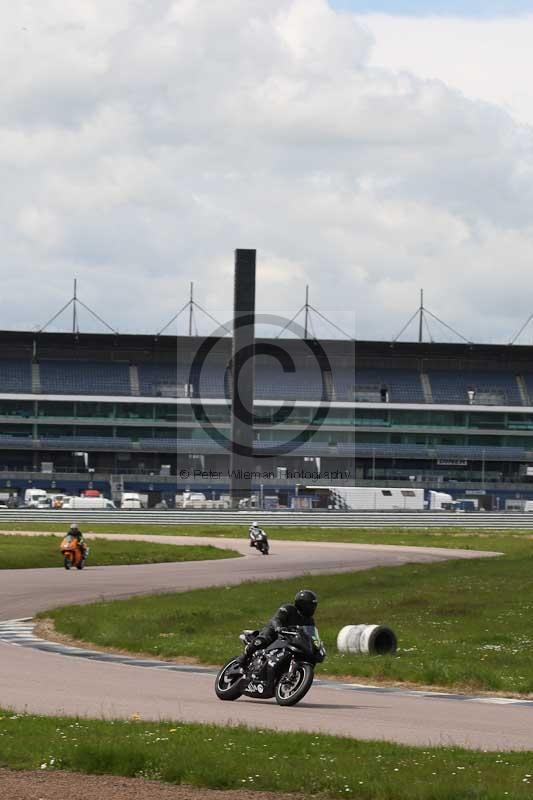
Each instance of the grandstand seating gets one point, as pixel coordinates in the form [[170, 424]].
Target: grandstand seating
[[491, 388], [393, 385], [174, 380], [528, 382], [402, 385], [211, 381], [473, 452], [271, 382], [87, 442], [85, 377], [313, 447], [170, 445], [15, 375], [158, 380], [344, 382], [16, 442]]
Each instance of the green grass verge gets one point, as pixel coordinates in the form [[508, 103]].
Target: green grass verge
[[461, 624], [240, 758], [25, 552], [424, 537]]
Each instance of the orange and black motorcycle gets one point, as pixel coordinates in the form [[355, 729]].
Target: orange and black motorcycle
[[73, 553]]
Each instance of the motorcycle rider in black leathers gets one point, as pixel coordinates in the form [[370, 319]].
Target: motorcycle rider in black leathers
[[301, 612]]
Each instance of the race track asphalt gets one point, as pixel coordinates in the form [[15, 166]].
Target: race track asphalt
[[34, 681]]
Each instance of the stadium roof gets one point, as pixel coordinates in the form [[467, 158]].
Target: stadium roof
[[108, 346], [362, 353]]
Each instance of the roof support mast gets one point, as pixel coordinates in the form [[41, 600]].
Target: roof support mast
[[74, 302], [74, 311], [308, 321], [306, 311], [422, 313], [191, 307], [191, 304]]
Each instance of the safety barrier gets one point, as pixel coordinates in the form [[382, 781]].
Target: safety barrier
[[372, 640], [348, 519]]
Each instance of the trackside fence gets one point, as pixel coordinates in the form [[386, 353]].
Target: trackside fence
[[373, 519]]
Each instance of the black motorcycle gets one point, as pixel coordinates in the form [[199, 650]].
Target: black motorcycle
[[284, 669], [260, 542]]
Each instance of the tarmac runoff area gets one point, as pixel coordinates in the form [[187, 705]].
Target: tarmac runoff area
[[32, 679]]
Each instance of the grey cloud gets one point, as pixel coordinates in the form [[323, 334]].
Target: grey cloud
[[141, 143]]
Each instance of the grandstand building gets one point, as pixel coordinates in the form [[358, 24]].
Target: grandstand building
[[140, 413], [451, 416]]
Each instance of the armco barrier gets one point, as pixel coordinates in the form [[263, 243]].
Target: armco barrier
[[375, 519]]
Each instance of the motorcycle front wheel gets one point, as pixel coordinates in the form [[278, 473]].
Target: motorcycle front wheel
[[229, 681], [67, 562], [293, 687]]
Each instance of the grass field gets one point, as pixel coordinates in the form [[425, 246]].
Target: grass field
[[428, 537], [25, 552], [240, 758], [460, 624]]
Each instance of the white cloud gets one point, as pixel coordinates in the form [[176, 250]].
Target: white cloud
[[142, 142], [487, 59]]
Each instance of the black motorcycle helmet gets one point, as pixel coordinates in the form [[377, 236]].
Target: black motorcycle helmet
[[306, 602]]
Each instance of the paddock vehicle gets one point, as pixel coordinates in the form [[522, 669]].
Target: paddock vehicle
[[32, 498], [88, 503], [260, 542], [130, 500], [72, 552], [367, 498], [284, 669]]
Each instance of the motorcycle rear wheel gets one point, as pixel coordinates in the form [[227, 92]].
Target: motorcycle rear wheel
[[229, 681], [292, 688]]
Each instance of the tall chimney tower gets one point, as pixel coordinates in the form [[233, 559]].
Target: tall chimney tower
[[242, 377]]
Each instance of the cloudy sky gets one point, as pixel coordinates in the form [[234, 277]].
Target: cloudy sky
[[366, 148]]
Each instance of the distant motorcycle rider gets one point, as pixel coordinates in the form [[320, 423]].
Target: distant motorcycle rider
[[301, 612], [254, 533], [78, 535]]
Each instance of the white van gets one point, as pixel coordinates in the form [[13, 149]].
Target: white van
[[35, 498], [131, 500], [89, 504], [191, 499]]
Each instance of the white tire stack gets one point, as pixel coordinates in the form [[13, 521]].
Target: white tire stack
[[369, 640]]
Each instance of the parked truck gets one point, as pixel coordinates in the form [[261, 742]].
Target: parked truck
[[439, 501], [368, 498]]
